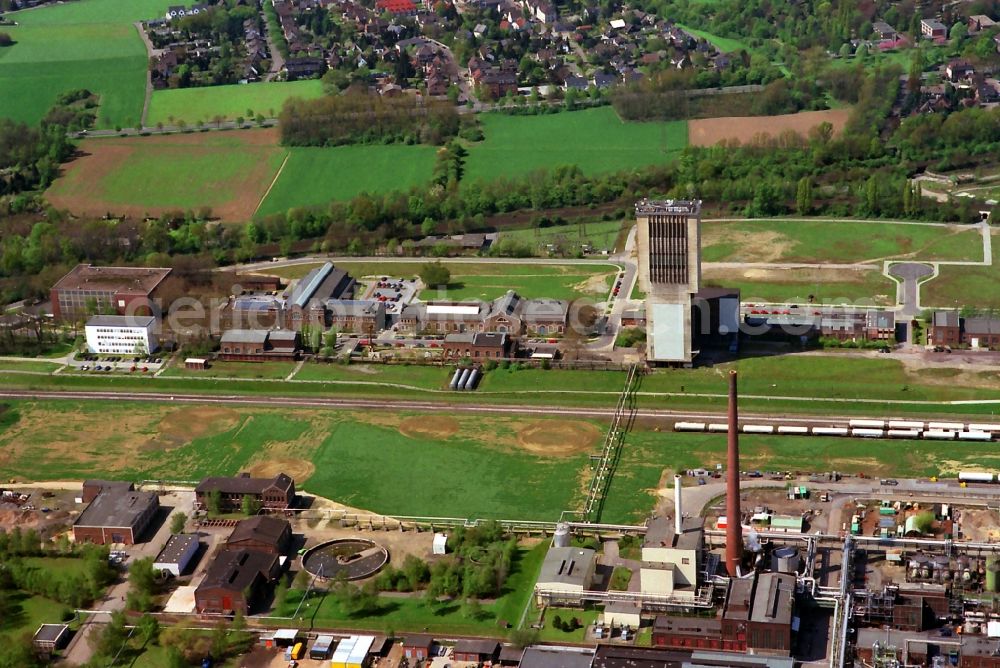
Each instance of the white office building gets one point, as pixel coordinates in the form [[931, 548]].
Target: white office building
[[122, 334]]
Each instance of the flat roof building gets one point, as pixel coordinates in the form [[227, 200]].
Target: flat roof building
[[116, 516], [87, 289], [176, 555], [556, 657], [566, 569], [122, 334], [50, 638], [91, 488]]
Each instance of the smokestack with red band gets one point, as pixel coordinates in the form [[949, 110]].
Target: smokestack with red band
[[734, 529]]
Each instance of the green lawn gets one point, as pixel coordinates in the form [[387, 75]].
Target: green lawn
[[415, 614], [832, 286], [457, 476], [838, 242], [316, 176], [233, 370], [724, 44], [596, 140], [959, 286], [27, 613], [601, 235], [549, 633], [87, 44], [19, 365], [488, 280], [430, 377], [205, 102]]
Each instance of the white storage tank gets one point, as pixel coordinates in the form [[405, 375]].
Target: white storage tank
[[562, 535]]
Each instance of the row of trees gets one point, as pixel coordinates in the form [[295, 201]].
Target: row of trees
[[360, 116]]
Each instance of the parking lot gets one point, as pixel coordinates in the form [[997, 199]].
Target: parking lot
[[394, 292], [89, 362]]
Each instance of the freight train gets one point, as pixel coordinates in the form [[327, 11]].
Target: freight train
[[865, 428]]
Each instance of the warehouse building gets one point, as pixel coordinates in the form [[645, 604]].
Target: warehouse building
[[236, 581], [277, 493], [122, 334], [177, 554], [618, 656], [352, 652], [303, 304], [116, 517], [477, 346], [263, 533], [91, 488], [758, 617], [87, 289], [949, 328], [557, 657], [476, 651], [260, 345]]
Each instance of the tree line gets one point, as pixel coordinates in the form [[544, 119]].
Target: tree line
[[361, 116]]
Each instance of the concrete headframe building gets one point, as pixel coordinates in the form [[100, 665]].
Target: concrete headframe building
[[669, 248]]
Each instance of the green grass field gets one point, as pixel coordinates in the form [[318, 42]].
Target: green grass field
[[795, 285], [840, 242], [594, 139], [19, 365], [204, 103], [27, 613], [430, 377], [416, 614], [601, 235], [316, 176], [724, 44], [87, 44], [488, 280], [403, 475], [233, 370]]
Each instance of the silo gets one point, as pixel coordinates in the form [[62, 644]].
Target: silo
[[785, 560], [992, 575], [562, 536]]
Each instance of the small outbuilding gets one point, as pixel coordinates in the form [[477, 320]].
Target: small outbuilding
[[476, 651], [50, 638], [321, 648], [196, 363], [176, 555], [417, 647], [440, 544]]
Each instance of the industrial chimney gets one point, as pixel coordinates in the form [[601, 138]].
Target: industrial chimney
[[734, 529], [678, 530]]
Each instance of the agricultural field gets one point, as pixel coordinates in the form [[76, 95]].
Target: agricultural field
[[316, 176], [605, 235], [230, 102], [594, 139], [88, 44], [488, 280], [857, 286], [710, 131], [138, 176], [818, 241]]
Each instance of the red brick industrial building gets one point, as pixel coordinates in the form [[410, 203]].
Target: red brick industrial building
[[121, 290], [277, 493], [116, 516]]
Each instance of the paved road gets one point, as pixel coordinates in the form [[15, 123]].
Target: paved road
[[910, 273]]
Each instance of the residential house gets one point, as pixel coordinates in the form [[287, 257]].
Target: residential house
[[944, 329], [933, 29], [979, 23]]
